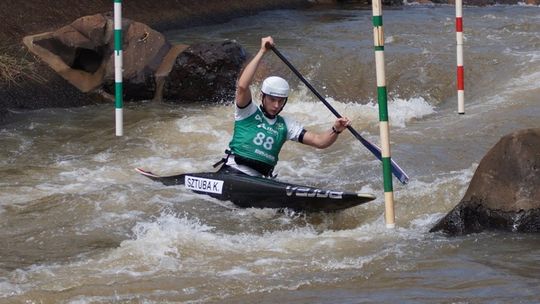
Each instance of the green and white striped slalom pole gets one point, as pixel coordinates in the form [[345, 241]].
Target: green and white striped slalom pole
[[378, 38], [118, 64], [459, 55]]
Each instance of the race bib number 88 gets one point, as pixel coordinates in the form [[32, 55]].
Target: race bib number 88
[[265, 141]]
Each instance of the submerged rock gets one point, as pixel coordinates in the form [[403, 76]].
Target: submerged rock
[[504, 193]]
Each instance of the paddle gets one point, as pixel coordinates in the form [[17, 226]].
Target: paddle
[[396, 170]]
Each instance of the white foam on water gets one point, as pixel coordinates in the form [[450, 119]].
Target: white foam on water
[[103, 157], [177, 242], [401, 111], [8, 289], [389, 39], [16, 143], [506, 96], [167, 166], [235, 271], [182, 245], [526, 82], [171, 242]]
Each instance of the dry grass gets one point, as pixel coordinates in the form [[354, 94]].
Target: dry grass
[[17, 68]]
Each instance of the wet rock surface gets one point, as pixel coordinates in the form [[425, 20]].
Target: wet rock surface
[[504, 193], [205, 71]]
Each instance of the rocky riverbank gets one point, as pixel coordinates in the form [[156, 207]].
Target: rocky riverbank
[[28, 83]]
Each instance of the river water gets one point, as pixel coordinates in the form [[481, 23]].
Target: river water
[[79, 225]]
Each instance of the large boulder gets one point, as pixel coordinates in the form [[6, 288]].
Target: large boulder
[[504, 193], [205, 71], [143, 51], [83, 54]]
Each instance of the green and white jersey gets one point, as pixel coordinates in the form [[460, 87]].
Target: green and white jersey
[[260, 138]]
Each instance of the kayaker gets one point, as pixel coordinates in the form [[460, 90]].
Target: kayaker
[[259, 131]]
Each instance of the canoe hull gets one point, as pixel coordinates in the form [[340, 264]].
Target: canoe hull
[[257, 192]]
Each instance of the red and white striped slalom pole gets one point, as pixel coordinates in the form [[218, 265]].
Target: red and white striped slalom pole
[[459, 53]]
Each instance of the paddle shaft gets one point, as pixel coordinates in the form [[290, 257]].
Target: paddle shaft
[[398, 172], [353, 131]]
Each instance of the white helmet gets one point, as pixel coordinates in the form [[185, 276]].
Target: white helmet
[[275, 86]]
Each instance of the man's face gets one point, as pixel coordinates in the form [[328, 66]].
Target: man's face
[[273, 104]]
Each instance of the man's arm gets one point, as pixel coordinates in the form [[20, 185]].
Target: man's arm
[[243, 93], [327, 138]]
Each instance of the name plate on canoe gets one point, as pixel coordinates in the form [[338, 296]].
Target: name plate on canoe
[[203, 184]]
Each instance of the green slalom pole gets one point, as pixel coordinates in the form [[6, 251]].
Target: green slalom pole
[[378, 38], [118, 64]]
